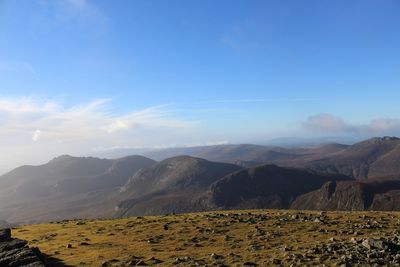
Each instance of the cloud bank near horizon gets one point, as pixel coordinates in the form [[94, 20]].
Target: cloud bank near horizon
[[325, 123]]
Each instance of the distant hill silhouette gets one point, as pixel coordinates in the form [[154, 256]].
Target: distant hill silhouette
[[375, 157], [64, 187], [246, 152]]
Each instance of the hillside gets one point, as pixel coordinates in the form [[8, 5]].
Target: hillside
[[224, 238], [376, 157], [258, 177], [65, 187], [170, 186], [352, 195], [266, 186]]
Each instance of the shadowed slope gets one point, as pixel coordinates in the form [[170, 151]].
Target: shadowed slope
[[267, 186], [170, 185]]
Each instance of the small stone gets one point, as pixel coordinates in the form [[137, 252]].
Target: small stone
[[276, 261], [249, 263], [317, 220], [214, 256], [154, 260], [370, 243]]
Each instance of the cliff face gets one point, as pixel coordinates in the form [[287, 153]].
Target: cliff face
[[15, 252], [352, 195], [266, 186], [334, 196]]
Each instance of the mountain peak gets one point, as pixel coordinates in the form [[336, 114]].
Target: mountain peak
[[62, 158]]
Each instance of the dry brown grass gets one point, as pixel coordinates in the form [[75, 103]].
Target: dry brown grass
[[237, 236]]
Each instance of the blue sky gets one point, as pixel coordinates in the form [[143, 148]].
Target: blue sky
[[101, 74]]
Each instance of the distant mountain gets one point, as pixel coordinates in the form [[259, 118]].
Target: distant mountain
[[247, 152], [170, 185], [352, 195], [364, 175], [367, 159], [267, 186], [375, 157], [64, 187], [311, 141]]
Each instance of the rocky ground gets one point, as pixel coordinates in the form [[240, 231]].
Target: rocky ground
[[232, 238], [15, 252]]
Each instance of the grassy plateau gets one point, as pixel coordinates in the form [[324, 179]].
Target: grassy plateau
[[222, 238]]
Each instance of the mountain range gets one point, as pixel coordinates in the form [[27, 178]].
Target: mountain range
[[362, 176]]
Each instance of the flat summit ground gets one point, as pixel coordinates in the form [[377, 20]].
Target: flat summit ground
[[223, 238]]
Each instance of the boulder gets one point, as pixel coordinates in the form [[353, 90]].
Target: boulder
[[15, 252]]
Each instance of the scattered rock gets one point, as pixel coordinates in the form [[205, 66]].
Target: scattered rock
[[214, 256]]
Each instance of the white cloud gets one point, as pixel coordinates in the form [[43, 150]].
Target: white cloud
[[90, 120], [79, 129], [36, 135], [325, 122], [328, 123]]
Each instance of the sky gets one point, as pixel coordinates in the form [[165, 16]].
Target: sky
[[82, 76]]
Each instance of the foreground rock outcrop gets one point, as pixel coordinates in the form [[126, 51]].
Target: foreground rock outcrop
[[15, 252]]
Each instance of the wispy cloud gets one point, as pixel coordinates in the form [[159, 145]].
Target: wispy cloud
[[32, 129], [88, 120], [328, 123]]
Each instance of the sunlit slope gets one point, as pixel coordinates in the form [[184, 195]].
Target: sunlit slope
[[233, 238]]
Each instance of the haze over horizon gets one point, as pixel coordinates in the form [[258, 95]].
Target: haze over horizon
[[78, 76]]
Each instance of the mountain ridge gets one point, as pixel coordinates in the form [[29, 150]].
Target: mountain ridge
[[78, 187]]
